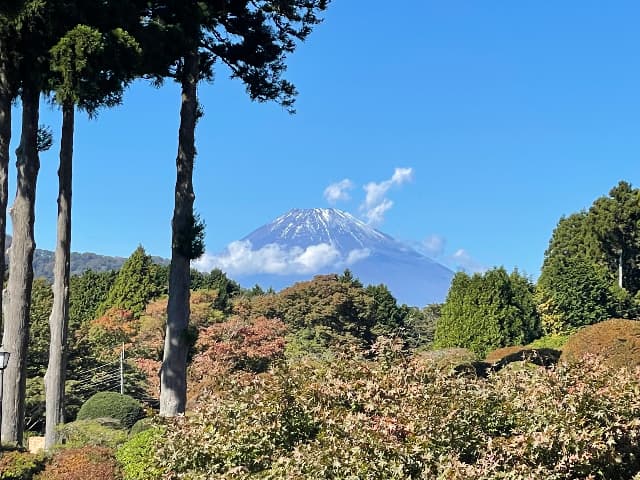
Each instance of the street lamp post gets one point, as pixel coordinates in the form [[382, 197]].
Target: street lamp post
[[4, 360]]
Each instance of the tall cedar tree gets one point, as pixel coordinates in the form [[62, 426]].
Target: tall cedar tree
[[7, 95], [90, 69], [31, 38], [252, 38]]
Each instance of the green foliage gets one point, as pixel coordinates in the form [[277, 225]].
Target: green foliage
[[123, 408], [332, 312], [134, 286], [41, 303], [105, 432], [91, 68], [141, 425], [216, 280], [45, 138], [189, 242], [572, 292], [550, 341], [34, 407], [420, 325], [17, 465], [578, 284], [137, 457], [486, 311]]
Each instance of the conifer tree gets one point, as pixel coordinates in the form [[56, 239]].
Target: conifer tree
[[252, 38], [90, 69], [487, 311], [134, 286]]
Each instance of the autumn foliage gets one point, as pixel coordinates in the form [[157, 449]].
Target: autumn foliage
[[86, 463], [616, 340], [403, 417]]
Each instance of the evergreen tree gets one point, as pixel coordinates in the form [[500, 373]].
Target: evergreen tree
[[85, 75], [252, 38], [134, 286], [578, 284], [31, 36], [486, 311]]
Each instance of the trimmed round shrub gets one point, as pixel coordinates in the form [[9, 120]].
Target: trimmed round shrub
[[448, 359], [112, 405], [616, 341]]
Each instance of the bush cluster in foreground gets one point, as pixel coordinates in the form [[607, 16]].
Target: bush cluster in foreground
[[403, 418]]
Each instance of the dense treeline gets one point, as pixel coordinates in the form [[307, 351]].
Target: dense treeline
[[286, 383]]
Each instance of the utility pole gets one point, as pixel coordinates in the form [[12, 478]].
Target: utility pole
[[122, 370], [620, 270]]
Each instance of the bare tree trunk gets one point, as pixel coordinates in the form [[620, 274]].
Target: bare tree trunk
[[58, 321], [16, 325], [173, 385], [5, 140]]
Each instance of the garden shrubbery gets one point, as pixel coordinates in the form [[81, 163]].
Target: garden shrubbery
[[85, 463], [403, 418], [18, 465], [617, 341], [112, 405]]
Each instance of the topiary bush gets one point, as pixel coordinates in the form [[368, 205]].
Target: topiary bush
[[86, 463], [616, 341], [112, 405], [18, 465]]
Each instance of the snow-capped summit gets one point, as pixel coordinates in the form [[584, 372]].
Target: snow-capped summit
[[314, 226], [301, 243]]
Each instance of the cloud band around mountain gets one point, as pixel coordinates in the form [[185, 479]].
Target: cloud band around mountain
[[239, 258]]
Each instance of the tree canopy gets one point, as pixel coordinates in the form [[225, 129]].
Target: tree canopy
[[486, 311]]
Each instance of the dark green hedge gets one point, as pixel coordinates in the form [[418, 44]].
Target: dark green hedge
[[112, 405]]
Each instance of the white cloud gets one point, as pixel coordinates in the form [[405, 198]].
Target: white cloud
[[376, 204], [434, 245], [402, 175], [239, 258], [357, 255], [463, 261], [338, 191]]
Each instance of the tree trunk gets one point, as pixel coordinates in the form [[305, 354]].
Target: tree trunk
[[16, 325], [173, 388], [5, 140], [58, 321]]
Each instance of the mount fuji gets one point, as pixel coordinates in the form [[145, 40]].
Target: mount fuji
[[303, 243]]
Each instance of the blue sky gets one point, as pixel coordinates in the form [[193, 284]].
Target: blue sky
[[509, 115]]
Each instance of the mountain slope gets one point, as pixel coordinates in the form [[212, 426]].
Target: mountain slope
[[348, 243]]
